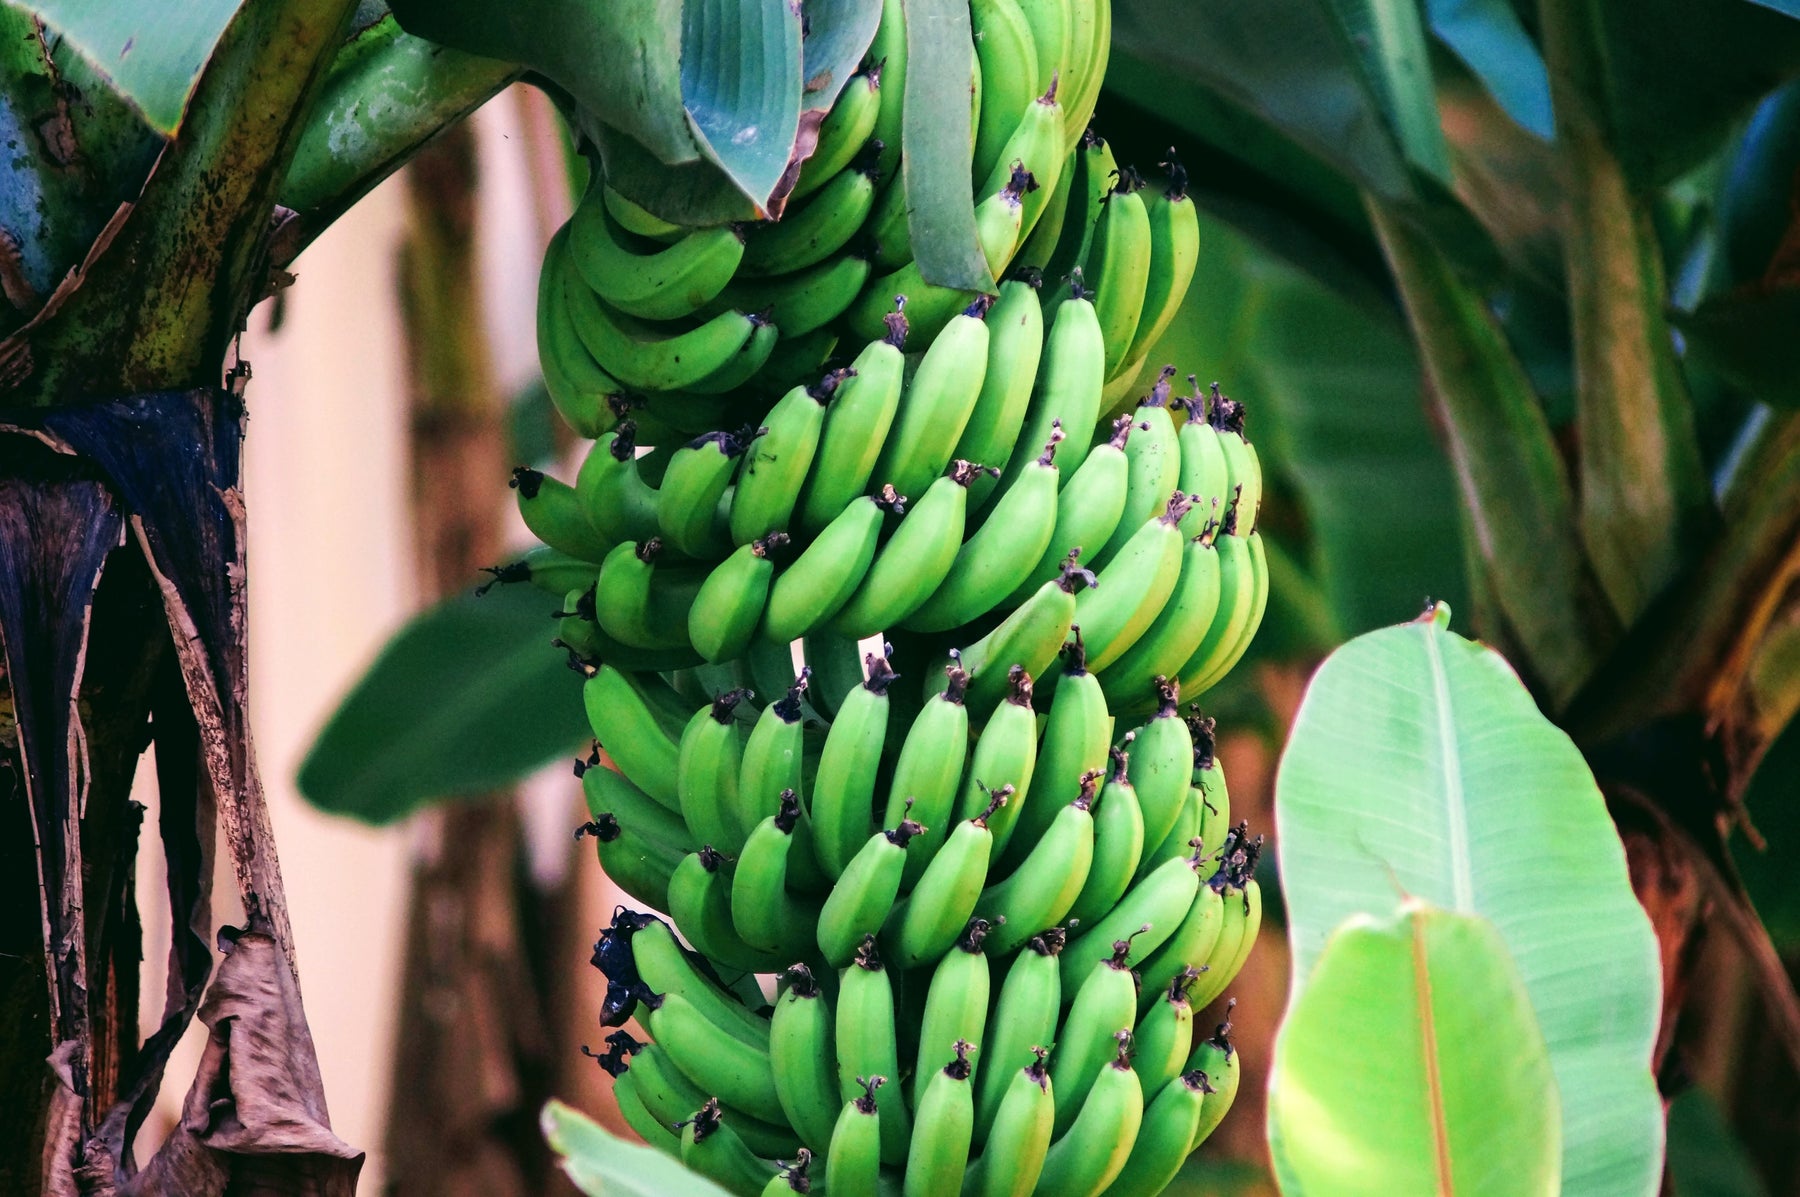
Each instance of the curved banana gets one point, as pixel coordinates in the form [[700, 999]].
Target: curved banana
[[612, 489], [1153, 457], [1101, 1016], [1118, 266], [580, 390], [853, 1165], [1025, 1017], [1076, 737], [935, 916], [728, 608], [1243, 586], [856, 427], [1093, 1148], [635, 861], [804, 301], [810, 233], [748, 363], [1087, 509], [665, 967], [1118, 845], [1039, 892], [1018, 1138], [800, 1047], [1150, 912], [867, 1046], [843, 797], [914, 561], [700, 904], [641, 356], [937, 404], [1007, 53], [1130, 682], [843, 134], [928, 773], [956, 1008], [715, 1151], [606, 791], [1171, 1121], [1164, 1035], [1005, 758], [938, 1153], [635, 218], [631, 715], [1132, 589], [1015, 336], [1066, 392], [777, 461], [1031, 637], [815, 587], [637, 602], [1217, 1060], [766, 914], [1035, 146], [691, 488], [859, 904], [771, 762], [1162, 762], [1204, 477], [1174, 254], [735, 1072], [671, 282], [556, 516]]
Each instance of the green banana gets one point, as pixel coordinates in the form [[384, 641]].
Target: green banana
[[1150, 912], [765, 913], [1012, 1162], [1118, 843], [715, 1151], [1015, 345], [795, 1177], [867, 1045], [635, 218], [728, 608], [556, 516], [1174, 253], [929, 772], [636, 602], [1182, 840], [671, 1098], [642, 1122], [914, 561], [1005, 758], [639, 356], [1092, 1149], [589, 646], [795, 360], [856, 427], [606, 791], [1090, 41], [888, 53], [853, 1165], [1050, 38], [1008, 57], [1217, 1060], [1087, 510], [1095, 171], [772, 759], [1118, 266], [938, 1153], [843, 134], [1134, 586], [1189, 947], [546, 568], [1030, 637], [937, 403], [837, 665], [1076, 736], [579, 389], [1038, 893], [1037, 245], [1242, 469], [1164, 1035], [1131, 681], [935, 916], [1101, 1016], [1025, 1018], [671, 282], [1171, 1120], [802, 302], [1204, 476], [1153, 458], [700, 904], [815, 587], [751, 362], [623, 710], [1222, 971], [776, 463], [1035, 146], [843, 796], [1067, 387], [737, 1073], [635, 861], [859, 904], [1243, 590], [994, 561], [612, 489], [665, 967], [811, 233], [691, 489], [1162, 762], [800, 1047], [956, 1007]]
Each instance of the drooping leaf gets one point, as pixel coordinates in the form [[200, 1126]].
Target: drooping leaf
[[838, 34], [1389, 36], [467, 697], [937, 131], [1487, 36], [603, 1165], [1412, 1063], [741, 65], [152, 53], [1419, 765]]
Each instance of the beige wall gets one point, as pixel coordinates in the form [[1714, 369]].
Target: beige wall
[[331, 576]]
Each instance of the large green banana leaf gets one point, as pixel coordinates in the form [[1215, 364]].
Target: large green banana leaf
[[1412, 1063], [1419, 766], [603, 1165]]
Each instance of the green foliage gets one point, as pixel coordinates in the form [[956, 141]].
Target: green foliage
[[1705, 1157], [935, 130], [149, 54], [1419, 766], [467, 697], [603, 1165], [1412, 1063]]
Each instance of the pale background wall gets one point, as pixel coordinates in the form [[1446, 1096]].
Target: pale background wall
[[332, 574]]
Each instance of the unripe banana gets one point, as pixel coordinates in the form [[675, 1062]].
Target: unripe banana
[[809, 233], [856, 427], [1153, 457], [1162, 762], [1095, 172], [1118, 266], [635, 861], [772, 759], [623, 710], [556, 516], [1025, 1018], [1118, 844], [1242, 921], [635, 218], [1087, 510], [729, 606], [706, 769], [1015, 325], [935, 916], [618, 502], [691, 488], [766, 914], [956, 1008], [1038, 245], [928, 773], [1217, 1059], [1183, 839], [1173, 636], [843, 798], [802, 302], [776, 463], [736, 1072], [714, 1150], [1019, 1138], [1005, 758], [888, 53], [548, 569], [1189, 947], [642, 1122], [1204, 476], [795, 1177], [671, 1098], [1100, 1018], [641, 356], [1030, 637], [637, 603], [853, 1165], [1007, 53], [914, 561], [1076, 737], [1090, 43], [665, 967], [1165, 1034], [579, 389], [700, 904], [606, 791], [1174, 253], [800, 1046], [670, 283], [1251, 600], [938, 403], [843, 134], [1149, 913], [1066, 392], [1050, 38], [1038, 893], [1170, 1123], [939, 1150], [867, 1046], [1132, 589], [1242, 469], [823, 578], [1092, 1150], [859, 904]]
